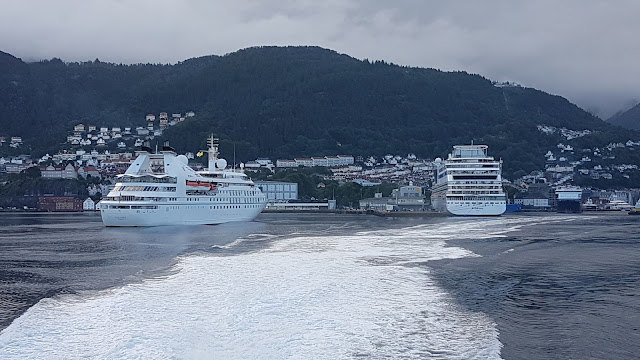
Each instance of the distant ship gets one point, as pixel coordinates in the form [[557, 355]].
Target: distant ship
[[161, 189], [569, 199], [636, 209], [618, 205], [469, 182]]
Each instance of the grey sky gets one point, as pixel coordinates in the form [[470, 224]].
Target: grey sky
[[585, 50]]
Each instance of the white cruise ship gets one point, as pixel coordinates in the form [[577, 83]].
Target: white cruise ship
[[469, 182], [161, 189]]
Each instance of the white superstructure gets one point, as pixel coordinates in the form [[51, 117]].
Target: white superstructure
[[161, 189], [469, 182], [568, 199]]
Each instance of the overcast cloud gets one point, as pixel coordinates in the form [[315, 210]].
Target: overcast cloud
[[585, 50]]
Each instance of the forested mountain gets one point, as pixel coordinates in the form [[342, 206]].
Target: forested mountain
[[629, 119], [293, 101]]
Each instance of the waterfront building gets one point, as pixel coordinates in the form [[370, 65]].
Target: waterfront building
[[59, 203], [88, 205], [277, 191]]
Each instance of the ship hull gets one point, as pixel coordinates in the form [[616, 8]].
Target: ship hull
[[569, 206], [469, 208], [132, 215], [477, 209]]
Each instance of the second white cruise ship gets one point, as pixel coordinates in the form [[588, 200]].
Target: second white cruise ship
[[469, 182], [161, 189]]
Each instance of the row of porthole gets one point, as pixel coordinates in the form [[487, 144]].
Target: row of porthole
[[215, 207], [477, 203]]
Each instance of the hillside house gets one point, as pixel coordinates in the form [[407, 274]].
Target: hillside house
[[286, 163], [317, 161], [303, 162]]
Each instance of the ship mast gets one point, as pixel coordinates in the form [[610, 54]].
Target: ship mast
[[212, 143]]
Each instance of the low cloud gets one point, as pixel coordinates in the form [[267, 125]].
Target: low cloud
[[583, 50]]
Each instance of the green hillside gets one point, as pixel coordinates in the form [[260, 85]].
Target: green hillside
[[629, 119], [283, 102]]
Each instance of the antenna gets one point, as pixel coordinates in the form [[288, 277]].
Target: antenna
[[234, 156]]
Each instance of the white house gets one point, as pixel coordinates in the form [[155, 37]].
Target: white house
[[286, 163], [88, 204], [316, 161], [303, 162]]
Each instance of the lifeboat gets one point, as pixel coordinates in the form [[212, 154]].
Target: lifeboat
[[199, 185]]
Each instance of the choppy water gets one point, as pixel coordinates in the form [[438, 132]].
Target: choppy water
[[322, 287]]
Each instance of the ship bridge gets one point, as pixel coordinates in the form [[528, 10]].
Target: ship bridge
[[469, 152]]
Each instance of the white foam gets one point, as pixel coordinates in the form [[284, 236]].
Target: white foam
[[303, 298]]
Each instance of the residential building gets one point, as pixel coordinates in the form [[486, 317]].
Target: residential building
[[345, 160], [286, 163], [88, 205], [317, 161], [303, 162], [16, 168]]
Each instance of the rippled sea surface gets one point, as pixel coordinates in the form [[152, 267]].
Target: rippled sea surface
[[310, 286]]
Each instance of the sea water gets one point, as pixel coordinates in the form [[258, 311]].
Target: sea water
[[284, 287]]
